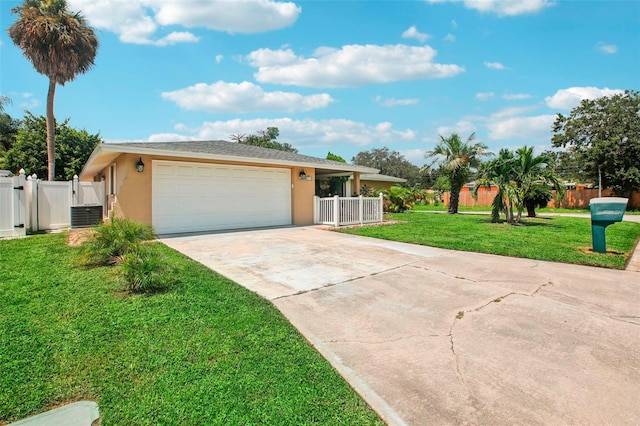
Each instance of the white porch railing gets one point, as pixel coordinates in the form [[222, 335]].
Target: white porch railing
[[339, 211]]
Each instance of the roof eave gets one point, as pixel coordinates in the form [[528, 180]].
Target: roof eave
[[102, 151]]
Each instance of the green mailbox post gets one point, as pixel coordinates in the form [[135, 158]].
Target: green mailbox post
[[604, 212]]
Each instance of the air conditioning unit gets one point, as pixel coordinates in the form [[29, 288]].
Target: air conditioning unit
[[85, 216]]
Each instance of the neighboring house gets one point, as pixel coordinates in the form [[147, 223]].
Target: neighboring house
[[379, 182], [210, 185]]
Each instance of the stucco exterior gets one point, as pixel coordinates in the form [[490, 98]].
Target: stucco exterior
[[133, 190]]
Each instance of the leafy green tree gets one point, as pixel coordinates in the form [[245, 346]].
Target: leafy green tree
[[265, 139], [60, 45], [605, 134], [458, 159], [390, 163], [30, 148], [335, 182], [8, 131]]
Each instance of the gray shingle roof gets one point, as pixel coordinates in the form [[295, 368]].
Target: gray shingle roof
[[230, 149]]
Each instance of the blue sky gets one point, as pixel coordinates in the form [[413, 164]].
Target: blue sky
[[339, 76]]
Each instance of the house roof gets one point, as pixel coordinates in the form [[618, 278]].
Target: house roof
[[381, 178], [105, 153]]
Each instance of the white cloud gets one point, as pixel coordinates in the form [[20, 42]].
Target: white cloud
[[571, 97], [300, 133], [450, 37], [243, 98], [462, 127], [28, 101], [536, 128], [219, 58], [503, 7], [608, 49], [412, 32], [454, 24], [391, 102], [138, 21], [516, 96], [483, 96], [494, 65], [351, 65], [414, 156], [176, 37]]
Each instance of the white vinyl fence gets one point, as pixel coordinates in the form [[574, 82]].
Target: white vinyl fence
[[42, 205], [339, 211], [13, 206]]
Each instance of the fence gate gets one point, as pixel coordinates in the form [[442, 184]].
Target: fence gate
[[54, 205], [12, 206]]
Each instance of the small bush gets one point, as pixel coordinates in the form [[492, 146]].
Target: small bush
[[144, 269], [397, 200], [111, 240]]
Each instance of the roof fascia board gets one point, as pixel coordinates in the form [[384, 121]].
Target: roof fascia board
[[233, 158]]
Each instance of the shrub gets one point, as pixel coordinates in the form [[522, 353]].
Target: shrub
[[397, 199], [111, 240], [144, 269]]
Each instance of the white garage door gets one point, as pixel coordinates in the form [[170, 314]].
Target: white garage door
[[191, 197]]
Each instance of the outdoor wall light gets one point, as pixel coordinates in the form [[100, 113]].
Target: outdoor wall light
[[302, 175], [140, 165]]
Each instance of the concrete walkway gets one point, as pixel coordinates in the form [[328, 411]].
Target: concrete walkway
[[430, 336]]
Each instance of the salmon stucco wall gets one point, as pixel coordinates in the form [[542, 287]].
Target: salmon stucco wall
[[302, 193], [134, 190]]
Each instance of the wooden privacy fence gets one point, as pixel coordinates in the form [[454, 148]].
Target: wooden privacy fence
[[337, 211], [574, 198]]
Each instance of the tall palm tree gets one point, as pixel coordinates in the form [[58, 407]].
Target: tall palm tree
[[458, 158], [60, 45]]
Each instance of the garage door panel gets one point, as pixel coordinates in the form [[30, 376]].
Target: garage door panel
[[190, 197]]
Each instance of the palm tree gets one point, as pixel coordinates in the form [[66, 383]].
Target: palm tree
[[4, 100], [532, 175], [59, 44], [458, 158], [522, 178]]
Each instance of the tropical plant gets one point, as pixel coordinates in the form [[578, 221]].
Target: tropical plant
[[522, 179], [110, 241], [500, 172], [144, 269], [458, 159], [532, 172], [60, 45], [397, 199], [4, 100]]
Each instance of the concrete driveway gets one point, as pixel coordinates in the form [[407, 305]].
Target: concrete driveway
[[430, 336]]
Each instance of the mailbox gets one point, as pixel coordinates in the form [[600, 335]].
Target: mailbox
[[604, 212]]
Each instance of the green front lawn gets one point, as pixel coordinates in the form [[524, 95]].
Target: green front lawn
[[559, 239], [206, 352]]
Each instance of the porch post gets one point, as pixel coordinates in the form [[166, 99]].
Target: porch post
[[336, 211], [356, 183]]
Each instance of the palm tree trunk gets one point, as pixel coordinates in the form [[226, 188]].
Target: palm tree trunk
[[454, 200], [51, 131]]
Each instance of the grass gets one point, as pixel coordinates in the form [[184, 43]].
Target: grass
[[442, 208], [558, 239], [206, 352]]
